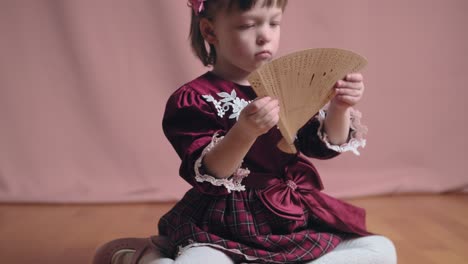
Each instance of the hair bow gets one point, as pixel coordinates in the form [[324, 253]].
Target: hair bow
[[196, 5]]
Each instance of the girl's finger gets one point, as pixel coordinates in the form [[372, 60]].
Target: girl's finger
[[260, 102], [348, 91], [257, 105], [267, 108], [346, 84], [269, 120], [273, 115], [351, 100], [354, 77]]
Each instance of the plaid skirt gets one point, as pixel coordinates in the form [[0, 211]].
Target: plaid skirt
[[241, 226]]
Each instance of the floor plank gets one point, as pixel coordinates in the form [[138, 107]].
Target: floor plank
[[426, 229]]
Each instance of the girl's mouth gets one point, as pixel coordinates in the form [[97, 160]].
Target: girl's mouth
[[265, 54]]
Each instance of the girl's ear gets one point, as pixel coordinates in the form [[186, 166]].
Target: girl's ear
[[207, 31]]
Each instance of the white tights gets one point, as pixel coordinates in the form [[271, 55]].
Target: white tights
[[194, 255], [363, 250]]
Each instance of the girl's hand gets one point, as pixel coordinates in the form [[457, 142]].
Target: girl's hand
[[259, 117], [348, 91]]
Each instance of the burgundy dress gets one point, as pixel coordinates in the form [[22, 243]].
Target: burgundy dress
[[272, 209]]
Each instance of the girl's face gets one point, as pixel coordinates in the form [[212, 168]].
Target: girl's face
[[246, 40]]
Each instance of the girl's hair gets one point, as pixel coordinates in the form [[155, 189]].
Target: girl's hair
[[210, 8]]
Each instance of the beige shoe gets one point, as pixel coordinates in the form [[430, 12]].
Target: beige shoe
[[129, 250], [123, 256]]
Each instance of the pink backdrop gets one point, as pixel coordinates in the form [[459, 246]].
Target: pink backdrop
[[83, 86]]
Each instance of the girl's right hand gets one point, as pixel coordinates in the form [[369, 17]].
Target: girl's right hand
[[259, 117]]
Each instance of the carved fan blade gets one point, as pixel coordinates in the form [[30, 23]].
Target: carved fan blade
[[303, 82]]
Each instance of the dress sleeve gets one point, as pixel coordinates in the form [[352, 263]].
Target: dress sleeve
[[193, 127], [313, 141]]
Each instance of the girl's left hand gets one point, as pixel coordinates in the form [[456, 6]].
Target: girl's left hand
[[348, 91]]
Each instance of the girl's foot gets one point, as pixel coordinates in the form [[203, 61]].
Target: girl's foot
[[130, 251], [125, 256]]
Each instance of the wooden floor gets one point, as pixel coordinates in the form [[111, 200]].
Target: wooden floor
[[426, 229]]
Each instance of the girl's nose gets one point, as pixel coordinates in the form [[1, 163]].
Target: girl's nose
[[264, 35], [261, 41]]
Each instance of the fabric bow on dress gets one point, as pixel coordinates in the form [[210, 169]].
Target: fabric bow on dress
[[301, 188]]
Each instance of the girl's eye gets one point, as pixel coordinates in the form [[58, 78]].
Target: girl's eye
[[274, 24], [246, 26]]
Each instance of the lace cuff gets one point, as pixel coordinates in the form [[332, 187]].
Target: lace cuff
[[356, 137], [232, 183]]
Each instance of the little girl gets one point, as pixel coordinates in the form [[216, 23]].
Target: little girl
[[251, 202]]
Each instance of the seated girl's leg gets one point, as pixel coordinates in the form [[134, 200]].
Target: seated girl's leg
[[362, 250], [203, 255]]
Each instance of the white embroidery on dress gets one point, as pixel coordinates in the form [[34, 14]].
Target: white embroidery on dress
[[232, 183], [356, 135], [228, 101]]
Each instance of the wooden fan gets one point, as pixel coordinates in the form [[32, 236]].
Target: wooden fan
[[303, 83]]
